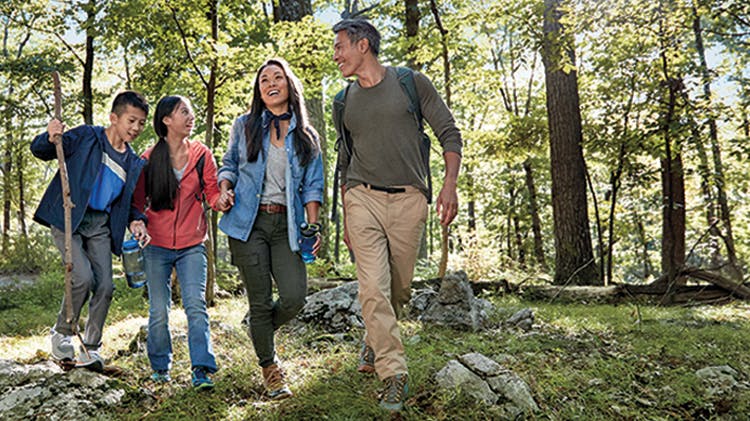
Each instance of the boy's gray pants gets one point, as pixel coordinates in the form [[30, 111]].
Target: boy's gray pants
[[92, 275]]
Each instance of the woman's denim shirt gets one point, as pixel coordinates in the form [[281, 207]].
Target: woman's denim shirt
[[303, 184]]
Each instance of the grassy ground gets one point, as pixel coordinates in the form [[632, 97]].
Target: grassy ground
[[586, 362]]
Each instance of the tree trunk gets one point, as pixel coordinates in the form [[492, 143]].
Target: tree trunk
[[447, 79], [615, 181], [574, 260], [411, 24], [211, 87], [641, 231], [7, 174], [318, 120], [536, 222], [673, 214], [718, 170], [673, 183], [88, 65], [412, 30], [21, 196]]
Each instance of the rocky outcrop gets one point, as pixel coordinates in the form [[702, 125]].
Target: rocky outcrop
[[455, 305], [44, 391], [335, 310], [483, 379]]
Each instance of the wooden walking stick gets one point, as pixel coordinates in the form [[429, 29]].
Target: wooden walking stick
[[443, 253], [67, 205]]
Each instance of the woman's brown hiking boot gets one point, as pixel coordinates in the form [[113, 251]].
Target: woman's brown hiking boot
[[275, 382]]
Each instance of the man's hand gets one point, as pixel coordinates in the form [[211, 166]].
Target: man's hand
[[54, 127], [447, 203]]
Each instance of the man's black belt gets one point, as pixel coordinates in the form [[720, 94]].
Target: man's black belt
[[385, 189]]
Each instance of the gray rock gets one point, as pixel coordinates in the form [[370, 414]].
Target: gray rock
[[87, 379], [455, 305], [455, 289], [335, 310], [523, 319], [502, 387], [481, 365], [420, 300], [456, 376], [505, 360], [514, 389], [719, 380], [44, 391], [12, 373]]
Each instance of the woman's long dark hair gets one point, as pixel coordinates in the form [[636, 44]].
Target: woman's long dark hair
[[161, 183], [306, 143]]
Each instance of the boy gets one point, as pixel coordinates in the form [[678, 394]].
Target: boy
[[102, 172]]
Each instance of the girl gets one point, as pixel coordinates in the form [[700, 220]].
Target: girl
[[171, 192]]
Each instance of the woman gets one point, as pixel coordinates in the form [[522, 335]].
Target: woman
[[172, 190], [272, 175]]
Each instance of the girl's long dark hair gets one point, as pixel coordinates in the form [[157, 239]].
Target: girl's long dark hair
[[306, 144], [161, 183]]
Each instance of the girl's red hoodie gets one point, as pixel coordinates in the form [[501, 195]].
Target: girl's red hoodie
[[185, 225]]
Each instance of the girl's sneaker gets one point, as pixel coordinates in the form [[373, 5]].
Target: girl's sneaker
[[161, 376], [201, 381]]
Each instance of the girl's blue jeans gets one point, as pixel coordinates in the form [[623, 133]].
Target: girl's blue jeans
[[190, 264]]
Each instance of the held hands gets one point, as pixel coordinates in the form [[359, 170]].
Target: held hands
[[226, 200], [139, 231], [55, 127], [447, 203]]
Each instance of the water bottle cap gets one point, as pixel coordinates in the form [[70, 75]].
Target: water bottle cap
[[131, 244]]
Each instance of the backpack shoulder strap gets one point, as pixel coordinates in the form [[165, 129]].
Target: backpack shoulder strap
[[339, 104], [199, 169], [406, 80]]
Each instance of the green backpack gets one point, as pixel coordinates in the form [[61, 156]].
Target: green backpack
[[406, 80]]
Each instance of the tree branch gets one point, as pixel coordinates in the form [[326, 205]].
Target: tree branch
[[185, 44]]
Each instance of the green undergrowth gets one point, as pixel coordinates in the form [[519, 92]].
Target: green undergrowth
[[587, 362]]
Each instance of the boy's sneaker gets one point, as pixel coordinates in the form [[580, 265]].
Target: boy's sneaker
[[93, 361], [274, 382], [366, 360], [201, 381], [161, 376], [394, 394], [62, 346]]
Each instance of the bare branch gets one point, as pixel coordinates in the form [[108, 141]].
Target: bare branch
[[185, 44]]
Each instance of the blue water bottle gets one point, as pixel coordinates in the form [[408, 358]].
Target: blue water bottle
[[132, 263], [307, 240]]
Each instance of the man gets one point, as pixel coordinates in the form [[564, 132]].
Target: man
[[384, 192], [102, 171]]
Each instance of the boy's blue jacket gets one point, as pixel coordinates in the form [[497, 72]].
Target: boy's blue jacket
[[83, 147]]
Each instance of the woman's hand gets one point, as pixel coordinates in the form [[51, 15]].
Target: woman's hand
[[226, 200], [139, 231]]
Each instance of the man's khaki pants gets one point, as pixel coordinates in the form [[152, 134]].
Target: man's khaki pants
[[384, 231]]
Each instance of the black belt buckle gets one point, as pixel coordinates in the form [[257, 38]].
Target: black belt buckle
[[391, 190]]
